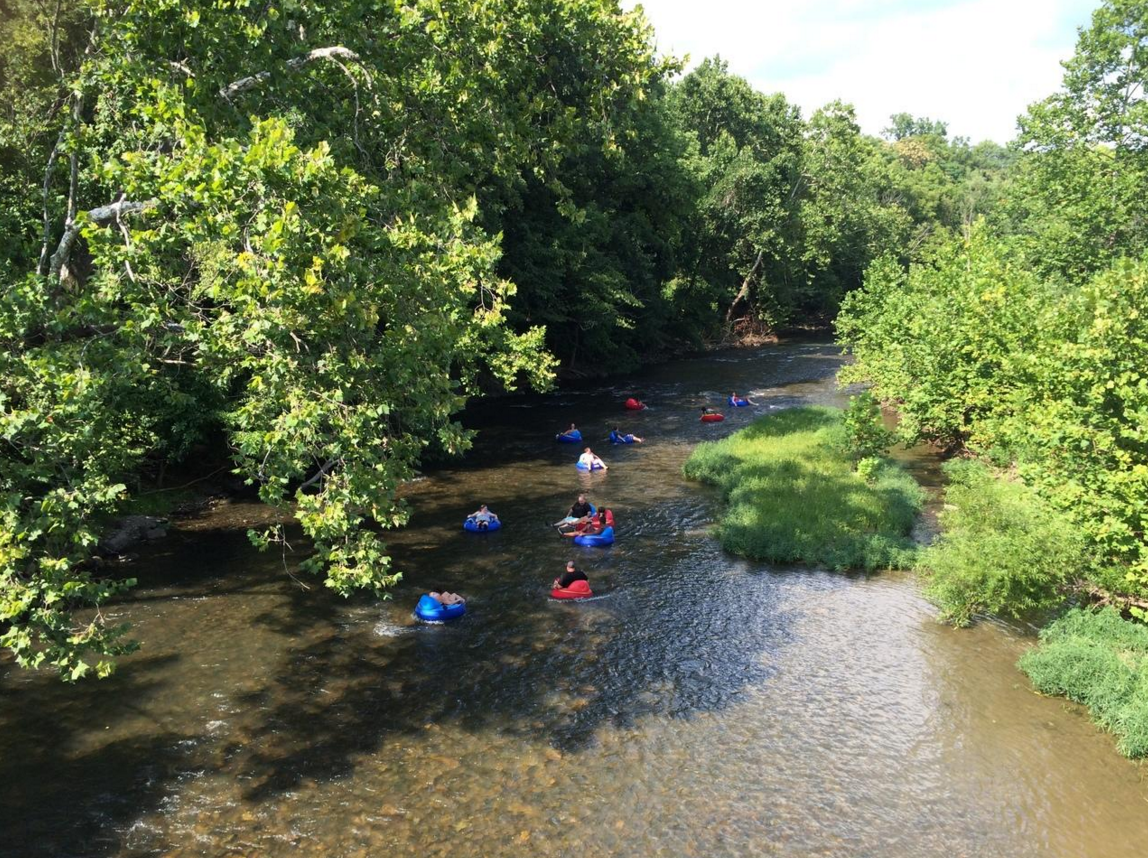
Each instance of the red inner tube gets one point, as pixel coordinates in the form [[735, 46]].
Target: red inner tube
[[576, 590], [713, 418], [591, 526], [635, 405]]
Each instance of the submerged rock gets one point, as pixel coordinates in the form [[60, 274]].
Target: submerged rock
[[131, 530]]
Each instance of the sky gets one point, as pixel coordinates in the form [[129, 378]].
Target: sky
[[975, 64]]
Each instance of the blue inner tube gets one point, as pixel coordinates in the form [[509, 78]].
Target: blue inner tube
[[472, 525], [582, 467], [569, 437], [737, 403], [606, 537], [615, 438], [431, 611]]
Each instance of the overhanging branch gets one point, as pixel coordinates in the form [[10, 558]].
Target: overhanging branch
[[333, 53], [103, 215]]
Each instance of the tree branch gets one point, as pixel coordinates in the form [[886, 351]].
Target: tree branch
[[42, 266], [322, 472], [103, 215], [743, 292], [294, 64]]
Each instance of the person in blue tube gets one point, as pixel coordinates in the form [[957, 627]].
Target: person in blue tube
[[445, 597], [590, 461], [482, 517], [618, 438]]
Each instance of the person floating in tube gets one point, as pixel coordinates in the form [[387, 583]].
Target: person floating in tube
[[445, 597], [482, 517], [591, 462], [590, 526], [618, 438], [571, 575]]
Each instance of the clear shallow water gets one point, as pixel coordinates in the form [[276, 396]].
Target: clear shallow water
[[706, 706]]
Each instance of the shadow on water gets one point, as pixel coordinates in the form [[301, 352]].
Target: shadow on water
[[63, 791]]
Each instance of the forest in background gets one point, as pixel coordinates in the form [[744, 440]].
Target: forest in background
[[303, 234]]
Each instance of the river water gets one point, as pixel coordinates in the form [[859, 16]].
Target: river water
[[703, 706]]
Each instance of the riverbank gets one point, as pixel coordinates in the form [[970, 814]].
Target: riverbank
[[1099, 659], [793, 495], [1004, 550]]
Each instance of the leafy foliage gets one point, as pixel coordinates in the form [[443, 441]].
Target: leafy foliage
[[263, 220], [1079, 199], [979, 353], [941, 339], [865, 431], [1002, 550], [794, 497]]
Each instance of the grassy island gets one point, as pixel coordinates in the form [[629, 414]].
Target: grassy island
[[794, 495]]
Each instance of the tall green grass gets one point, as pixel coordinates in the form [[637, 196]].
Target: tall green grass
[[793, 496], [1101, 660]]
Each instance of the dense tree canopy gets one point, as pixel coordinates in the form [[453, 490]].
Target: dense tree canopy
[[300, 235], [262, 220], [1025, 340]]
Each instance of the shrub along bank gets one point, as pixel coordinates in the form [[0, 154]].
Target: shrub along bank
[[794, 495], [1003, 549]]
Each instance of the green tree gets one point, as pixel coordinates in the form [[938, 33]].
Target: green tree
[[264, 220], [746, 231], [904, 125], [1079, 196], [847, 215], [945, 339]]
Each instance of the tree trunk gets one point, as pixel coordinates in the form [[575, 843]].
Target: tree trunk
[[743, 292]]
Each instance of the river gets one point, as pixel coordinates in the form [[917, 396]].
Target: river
[[703, 706]]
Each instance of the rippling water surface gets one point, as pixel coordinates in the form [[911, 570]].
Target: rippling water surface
[[704, 706]]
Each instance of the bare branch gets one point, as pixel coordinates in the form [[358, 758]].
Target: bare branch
[[743, 292], [322, 473], [103, 215], [42, 266], [294, 64], [55, 50], [127, 242]]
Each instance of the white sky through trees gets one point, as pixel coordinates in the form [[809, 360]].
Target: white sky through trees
[[975, 64]]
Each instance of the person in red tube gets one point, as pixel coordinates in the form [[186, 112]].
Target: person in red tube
[[593, 525], [572, 574]]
